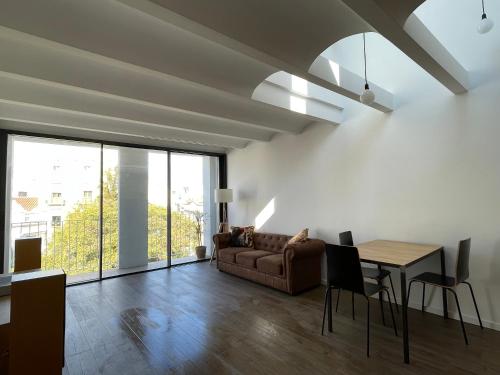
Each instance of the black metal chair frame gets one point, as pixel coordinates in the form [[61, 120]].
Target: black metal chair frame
[[345, 239], [449, 283], [352, 281]]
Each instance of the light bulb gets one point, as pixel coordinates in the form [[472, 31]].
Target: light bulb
[[367, 97], [485, 25]]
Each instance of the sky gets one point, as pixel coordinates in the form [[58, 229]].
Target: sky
[[33, 162]]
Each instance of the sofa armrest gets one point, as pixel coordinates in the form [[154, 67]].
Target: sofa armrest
[[303, 265], [308, 249], [221, 240]]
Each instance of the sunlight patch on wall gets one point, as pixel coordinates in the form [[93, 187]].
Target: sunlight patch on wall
[[298, 104], [335, 70], [264, 215], [299, 86]]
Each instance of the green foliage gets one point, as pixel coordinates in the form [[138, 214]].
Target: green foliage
[[74, 245]]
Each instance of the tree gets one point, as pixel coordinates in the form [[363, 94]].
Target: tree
[[74, 244]]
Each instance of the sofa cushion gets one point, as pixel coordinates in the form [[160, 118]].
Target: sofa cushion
[[299, 237], [272, 264], [242, 236], [228, 254], [249, 258]]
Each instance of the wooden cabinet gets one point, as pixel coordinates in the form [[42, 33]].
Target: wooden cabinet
[[34, 333]]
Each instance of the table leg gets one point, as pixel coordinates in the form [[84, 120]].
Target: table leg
[[404, 305], [443, 273], [380, 297]]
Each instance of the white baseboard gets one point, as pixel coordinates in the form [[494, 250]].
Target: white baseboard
[[472, 319]]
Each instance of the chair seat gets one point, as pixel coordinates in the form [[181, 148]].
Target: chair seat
[[371, 289], [375, 273], [435, 279]]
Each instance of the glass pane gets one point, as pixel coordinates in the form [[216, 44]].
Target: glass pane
[[54, 187], [194, 177], [134, 210]]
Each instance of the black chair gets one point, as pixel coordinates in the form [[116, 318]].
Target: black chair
[[344, 272], [377, 274], [449, 283]]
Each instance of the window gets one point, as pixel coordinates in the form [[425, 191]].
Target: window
[[87, 196], [157, 205], [56, 199]]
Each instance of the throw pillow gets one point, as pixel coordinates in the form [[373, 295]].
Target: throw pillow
[[242, 236], [299, 237]]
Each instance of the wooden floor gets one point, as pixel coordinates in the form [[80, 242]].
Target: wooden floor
[[195, 320]]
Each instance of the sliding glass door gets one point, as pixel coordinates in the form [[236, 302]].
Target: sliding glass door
[[193, 208], [55, 194], [103, 211]]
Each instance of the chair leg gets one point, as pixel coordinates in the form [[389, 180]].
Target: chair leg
[[460, 314], [423, 297], [392, 313], [330, 309], [352, 303], [324, 311], [338, 298], [394, 294], [475, 303], [368, 327], [409, 290], [381, 303]]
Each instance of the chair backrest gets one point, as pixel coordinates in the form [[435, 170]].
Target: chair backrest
[[28, 254], [462, 272], [345, 238], [344, 268]]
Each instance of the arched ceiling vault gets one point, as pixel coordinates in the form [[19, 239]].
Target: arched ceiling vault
[[174, 67]]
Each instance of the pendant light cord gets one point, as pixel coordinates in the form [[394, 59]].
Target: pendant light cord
[[364, 55], [482, 1]]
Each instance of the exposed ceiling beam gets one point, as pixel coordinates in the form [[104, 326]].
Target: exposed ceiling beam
[[31, 114], [50, 95], [386, 17], [164, 14], [63, 131], [49, 61]]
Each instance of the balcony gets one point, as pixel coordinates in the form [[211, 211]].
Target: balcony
[[74, 245]]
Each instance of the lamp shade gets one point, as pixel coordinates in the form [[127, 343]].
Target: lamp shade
[[223, 195]]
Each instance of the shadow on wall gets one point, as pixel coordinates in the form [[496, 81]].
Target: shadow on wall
[[494, 280], [244, 200]]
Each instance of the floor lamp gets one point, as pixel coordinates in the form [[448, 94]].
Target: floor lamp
[[223, 197]]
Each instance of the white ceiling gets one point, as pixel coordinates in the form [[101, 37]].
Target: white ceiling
[[216, 75]]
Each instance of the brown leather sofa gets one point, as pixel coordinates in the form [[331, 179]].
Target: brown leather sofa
[[290, 268]]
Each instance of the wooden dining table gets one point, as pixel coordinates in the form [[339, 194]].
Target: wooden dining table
[[401, 255]]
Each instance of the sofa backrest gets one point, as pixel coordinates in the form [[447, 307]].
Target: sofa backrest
[[270, 241]]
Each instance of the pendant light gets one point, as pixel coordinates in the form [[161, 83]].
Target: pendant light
[[485, 24], [367, 97]]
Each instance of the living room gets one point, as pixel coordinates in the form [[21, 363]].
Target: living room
[[249, 187]]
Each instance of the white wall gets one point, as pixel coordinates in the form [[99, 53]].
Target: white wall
[[428, 172]]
